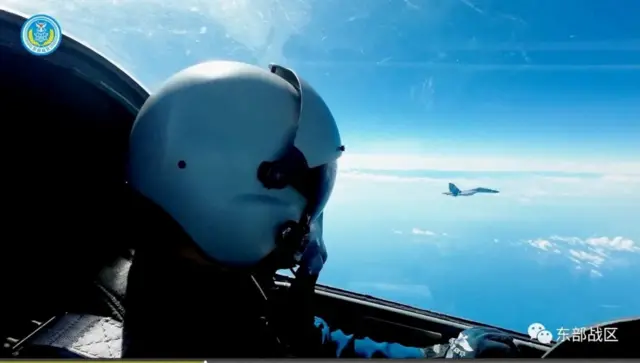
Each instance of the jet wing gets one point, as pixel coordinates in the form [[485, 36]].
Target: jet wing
[[484, 190]]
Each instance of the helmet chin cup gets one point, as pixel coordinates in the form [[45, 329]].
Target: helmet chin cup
[[290, 241], [296, 246]]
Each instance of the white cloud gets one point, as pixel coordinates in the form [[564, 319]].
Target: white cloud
[[605, 178], [422, 232], [390, 162], [541, 244], [590, 258], [372, 176], [618, 243], [526, 188], [594, 252], [568, 240], [614, 244]]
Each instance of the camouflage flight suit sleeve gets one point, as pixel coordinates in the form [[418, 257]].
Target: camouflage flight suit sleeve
[[335, 343], [477, 342]]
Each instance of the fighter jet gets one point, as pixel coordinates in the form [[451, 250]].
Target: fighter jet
[[455, 192]]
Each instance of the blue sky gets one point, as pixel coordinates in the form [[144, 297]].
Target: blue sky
[[537, 98]]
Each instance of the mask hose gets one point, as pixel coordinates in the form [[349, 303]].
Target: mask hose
[[303, 336]]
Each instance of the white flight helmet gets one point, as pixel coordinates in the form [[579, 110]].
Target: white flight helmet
[[241, 157]]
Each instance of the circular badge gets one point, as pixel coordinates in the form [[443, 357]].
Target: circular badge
[[41, 35]]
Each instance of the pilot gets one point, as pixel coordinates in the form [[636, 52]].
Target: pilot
[[231, 166]]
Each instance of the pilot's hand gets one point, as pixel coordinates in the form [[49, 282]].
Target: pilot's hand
[[476, 342]]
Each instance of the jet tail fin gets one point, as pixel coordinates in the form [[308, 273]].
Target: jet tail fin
[[454, 189]]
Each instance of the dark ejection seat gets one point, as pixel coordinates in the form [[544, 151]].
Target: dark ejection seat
[[65, 197]]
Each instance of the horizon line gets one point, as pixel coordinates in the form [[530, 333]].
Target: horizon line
[[409, 162]]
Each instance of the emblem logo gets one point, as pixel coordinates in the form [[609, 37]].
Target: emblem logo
[[41, 35], [538, 332]]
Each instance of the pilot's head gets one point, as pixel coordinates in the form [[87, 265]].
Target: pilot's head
[[243, 159]]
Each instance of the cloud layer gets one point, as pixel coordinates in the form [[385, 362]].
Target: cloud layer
[[525, 187], [588, 254], [390, 162], [523, 179]]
